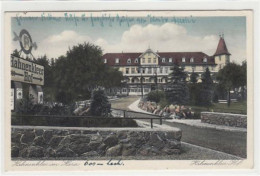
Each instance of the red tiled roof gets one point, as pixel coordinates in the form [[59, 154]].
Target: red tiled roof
[[222, 48], [123, 57], [176, 58]]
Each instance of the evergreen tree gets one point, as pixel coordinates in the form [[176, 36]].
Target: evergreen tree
[[177, 91], [194, 77], [206, 88]]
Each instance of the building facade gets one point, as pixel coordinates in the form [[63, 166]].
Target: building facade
[[149, 70]]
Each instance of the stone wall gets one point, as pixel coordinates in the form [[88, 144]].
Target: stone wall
[[235, 120], [61, 142]]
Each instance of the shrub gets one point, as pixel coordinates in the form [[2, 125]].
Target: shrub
[[155, 96], [71, 121], [163, 102], [99, 103]]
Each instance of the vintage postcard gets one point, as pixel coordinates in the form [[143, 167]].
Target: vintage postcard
[[128, 90]]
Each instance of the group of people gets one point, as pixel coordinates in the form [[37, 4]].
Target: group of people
[[173, 111]]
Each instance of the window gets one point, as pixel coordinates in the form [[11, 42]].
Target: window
[[205, 59], [117, 61], [129, 61], [143, 70], [149, 60], [219, 58], [154, 60], [170, 59], [149, 70], [166, 70], [193, 69], [192, 59], [183, 59], [132, 70], [127, 71], [143, 60], [212, 68], [161, 69], [105, 61], [163, 60], [136, 60]]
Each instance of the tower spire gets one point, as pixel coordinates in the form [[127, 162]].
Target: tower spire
[[222, 48]]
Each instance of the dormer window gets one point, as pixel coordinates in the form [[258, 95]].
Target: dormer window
[[183, 59], [170, 59], [117, 61], [129, 61], [136, 60], [192, 59], [105, 61], [205, 60], [163, 60]]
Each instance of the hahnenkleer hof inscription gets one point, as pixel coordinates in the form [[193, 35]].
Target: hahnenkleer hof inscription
[[26, 71]]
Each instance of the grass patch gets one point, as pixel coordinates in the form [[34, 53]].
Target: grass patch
[[235, 108]]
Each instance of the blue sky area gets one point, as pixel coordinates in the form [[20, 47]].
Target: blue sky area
[[54, 36]]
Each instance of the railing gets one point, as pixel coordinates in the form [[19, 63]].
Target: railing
[[134, 115], [67, 118]]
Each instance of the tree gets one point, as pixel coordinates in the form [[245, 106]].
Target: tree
[[81, 71], [177, 90], [48, 87], [99, 103], [194, 77], [243, 79], [16, 53], [230, 77], [206, 88]]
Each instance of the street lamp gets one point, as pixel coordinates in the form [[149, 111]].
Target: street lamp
[[156, 78], [141, 70]]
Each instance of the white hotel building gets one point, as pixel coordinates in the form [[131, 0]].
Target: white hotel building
[[151, 65]]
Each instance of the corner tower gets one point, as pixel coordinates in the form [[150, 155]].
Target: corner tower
[[221, 56]]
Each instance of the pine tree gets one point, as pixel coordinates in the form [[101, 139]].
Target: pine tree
[[206, 88], [177, 91], [194, 77]]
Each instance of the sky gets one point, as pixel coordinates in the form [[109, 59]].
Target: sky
[[55, 36]]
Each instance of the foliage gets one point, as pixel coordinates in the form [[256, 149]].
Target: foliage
[[177, 91], [163, 102], [206, 93], [195, 92], [71, 121], [155, 96], [72, 77], [232, 76], [194, 77], [99, 103]]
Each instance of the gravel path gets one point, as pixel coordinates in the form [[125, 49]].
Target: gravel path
[[124, 102]]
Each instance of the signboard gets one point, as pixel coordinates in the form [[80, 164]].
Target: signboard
[[19, 93], [26, 71], [12, 99], [40, 97]]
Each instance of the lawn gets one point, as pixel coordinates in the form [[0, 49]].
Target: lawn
[[235, 107]]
